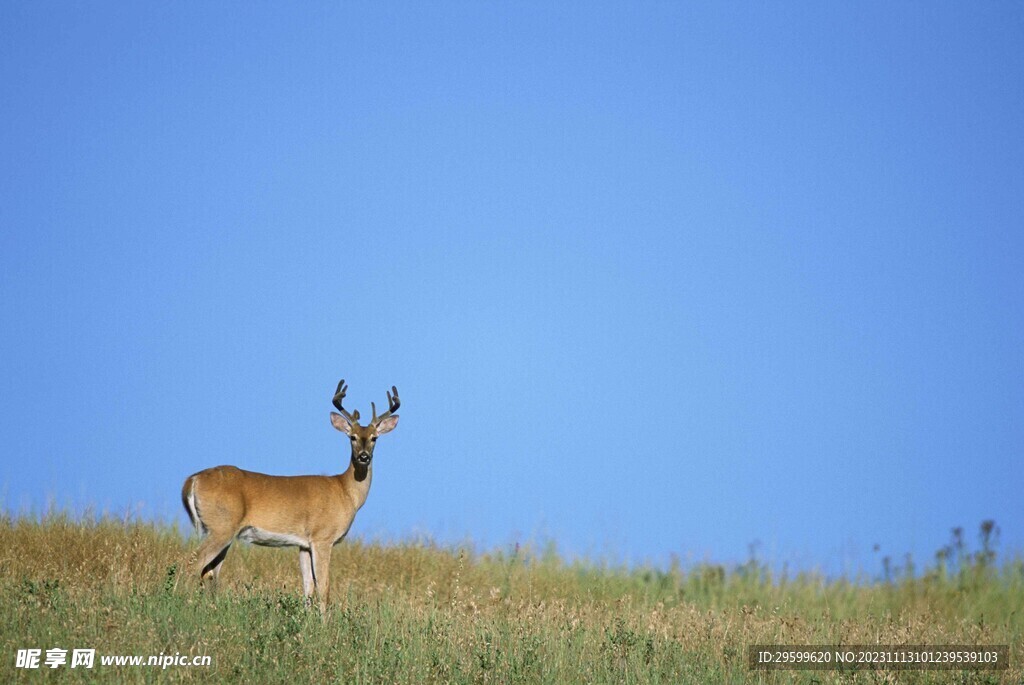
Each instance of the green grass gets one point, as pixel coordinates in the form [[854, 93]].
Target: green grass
[[418, 613]]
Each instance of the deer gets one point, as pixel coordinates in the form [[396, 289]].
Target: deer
[[313, 513]]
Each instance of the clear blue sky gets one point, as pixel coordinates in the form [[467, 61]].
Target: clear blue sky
[[651, 278]]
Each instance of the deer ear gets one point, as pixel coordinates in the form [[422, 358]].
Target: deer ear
[[387, 425], [339, 422]]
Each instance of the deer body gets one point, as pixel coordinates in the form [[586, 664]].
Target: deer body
[[313, 513]]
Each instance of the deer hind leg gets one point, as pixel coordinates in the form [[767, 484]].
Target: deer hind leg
[[210, 556], [306, 566], [322, 572]]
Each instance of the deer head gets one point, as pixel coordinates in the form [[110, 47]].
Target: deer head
[[363, 438]]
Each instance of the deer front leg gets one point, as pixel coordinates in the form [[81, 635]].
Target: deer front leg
[[322, 572], [306, 566]]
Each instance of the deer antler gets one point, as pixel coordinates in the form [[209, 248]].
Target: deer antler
[[393, 404], [339, 395]]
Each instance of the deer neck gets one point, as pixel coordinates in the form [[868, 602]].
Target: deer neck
[[356, 481]]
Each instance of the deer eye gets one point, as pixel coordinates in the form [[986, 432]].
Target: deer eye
[[373, 439], [352, 438]]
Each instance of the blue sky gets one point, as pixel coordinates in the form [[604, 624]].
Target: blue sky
[[651, 278]]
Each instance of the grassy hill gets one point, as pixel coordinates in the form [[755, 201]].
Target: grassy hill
[[418, 613]]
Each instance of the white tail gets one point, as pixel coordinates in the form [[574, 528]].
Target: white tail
[[188, 498]]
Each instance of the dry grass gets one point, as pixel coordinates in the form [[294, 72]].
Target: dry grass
[[418, 613]]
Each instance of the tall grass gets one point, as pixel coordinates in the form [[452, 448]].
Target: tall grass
[[421, 613]]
